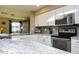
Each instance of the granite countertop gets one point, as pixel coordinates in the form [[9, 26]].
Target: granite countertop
[[25, 46], [42, 34]]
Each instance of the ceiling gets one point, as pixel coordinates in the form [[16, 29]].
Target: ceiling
[[18, 11], [22, 11]]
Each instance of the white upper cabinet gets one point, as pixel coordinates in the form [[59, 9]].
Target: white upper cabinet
[[77, 15], [68, 8], [37, 21], [51, 18], [45, 19], [48, 18], [58, 12]]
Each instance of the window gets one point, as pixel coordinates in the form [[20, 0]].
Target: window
[[16, 27]]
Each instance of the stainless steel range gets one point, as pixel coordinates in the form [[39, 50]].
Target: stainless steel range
[[63, 40]]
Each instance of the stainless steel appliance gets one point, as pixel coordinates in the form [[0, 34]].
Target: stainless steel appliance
[[66, 20], [62, 43], [63, 40]]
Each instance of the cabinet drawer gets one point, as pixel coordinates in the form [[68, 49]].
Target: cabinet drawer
[[75, 50], [76, 42]]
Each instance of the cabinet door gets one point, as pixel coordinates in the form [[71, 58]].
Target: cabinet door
[[75, 42], [37, 21], [75, 46], [51, 18], [40, 20], [43, 19], [75, 50], [77, 15], [59, 12], [68, 8]]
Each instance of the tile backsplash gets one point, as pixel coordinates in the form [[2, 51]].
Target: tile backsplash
[[47, 30], [77, 31]]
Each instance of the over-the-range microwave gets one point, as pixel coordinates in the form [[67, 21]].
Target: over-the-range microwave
[[67, 20]]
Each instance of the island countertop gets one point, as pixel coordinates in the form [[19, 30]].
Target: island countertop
[[26, 46]]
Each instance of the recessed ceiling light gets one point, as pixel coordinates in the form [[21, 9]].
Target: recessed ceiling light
[[12, 14], [3, 12]]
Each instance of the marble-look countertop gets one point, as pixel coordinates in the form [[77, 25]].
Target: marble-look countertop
[[26, 46]]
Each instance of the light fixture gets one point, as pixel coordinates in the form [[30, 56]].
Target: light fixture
[[3, 12], [12, 14]]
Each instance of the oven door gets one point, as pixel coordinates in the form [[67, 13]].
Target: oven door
[[63, 44]]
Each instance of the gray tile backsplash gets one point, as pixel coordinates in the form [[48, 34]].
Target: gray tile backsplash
[[48, 30], [55, 31], [45, 31]]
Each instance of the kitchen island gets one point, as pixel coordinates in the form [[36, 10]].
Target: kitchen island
[[23, 45]]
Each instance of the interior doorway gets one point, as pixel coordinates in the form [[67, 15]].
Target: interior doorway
[[16, 27]]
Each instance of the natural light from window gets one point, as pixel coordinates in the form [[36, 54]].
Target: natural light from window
[[15, 27]]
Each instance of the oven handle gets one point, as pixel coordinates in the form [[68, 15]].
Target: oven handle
[[60, 39]]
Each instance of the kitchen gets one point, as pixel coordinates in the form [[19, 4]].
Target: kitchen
[[53, 26], [63, 23]]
